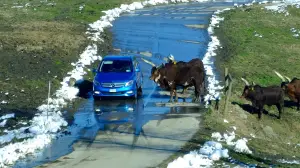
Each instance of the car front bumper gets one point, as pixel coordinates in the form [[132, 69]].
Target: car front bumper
[[127, 91]]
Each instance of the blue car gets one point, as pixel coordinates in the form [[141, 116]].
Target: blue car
[[119, 76]]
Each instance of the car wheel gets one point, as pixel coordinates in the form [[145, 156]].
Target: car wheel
[[140, 91], [96, 98], [136, 94]]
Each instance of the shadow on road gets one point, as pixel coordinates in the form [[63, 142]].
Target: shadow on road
[[85, 88]]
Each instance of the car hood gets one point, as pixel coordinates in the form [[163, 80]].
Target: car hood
[[114, 77]]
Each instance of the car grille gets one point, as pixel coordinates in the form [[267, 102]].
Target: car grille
[[113, 85], [113, 93]]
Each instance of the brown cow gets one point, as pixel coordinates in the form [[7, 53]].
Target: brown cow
[[179, 65], [291, 88], [171, 76]]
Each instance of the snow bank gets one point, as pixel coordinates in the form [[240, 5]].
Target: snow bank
[[213, 84], [204, 157]]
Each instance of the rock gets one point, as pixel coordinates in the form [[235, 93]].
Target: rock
[[269, 132]]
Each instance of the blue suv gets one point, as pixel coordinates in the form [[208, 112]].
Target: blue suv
[[118, 75]]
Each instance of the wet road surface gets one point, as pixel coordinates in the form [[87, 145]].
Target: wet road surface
[[137, 133]]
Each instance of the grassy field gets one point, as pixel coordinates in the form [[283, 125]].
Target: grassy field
[[255, 58], [40, 40]]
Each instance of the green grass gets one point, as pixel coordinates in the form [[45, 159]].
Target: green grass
[[255, 58], [41, 38]]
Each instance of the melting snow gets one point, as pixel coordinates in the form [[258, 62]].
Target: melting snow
[[3, 123], [257, 34], [12, 115], [4, 102], [213, 84], [289, 161], [81, 7], [239, 146], [295, 32], [280, 7], [204, 157], [17, 6]]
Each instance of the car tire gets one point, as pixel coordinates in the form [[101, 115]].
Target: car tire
[[140, 91], [96, 98], [136, 95]]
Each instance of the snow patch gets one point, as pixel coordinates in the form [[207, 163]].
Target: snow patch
[[289, 161], [4, 102], [257, 34], [3, 123], [281, 6], [295, 32], [204, 157], [81, 7], [239, 146], [7, 116]]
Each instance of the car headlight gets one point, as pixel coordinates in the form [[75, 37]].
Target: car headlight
[[129, 83], [96, 82], [130, 109]]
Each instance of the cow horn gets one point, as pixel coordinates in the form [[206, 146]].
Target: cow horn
[[246, 82], [148, 62], [280, 76], [288, 78]]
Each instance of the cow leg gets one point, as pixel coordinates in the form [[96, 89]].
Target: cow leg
[[279, 107], [202, 93], [260, 111], [176, 96], [197, 94], [183, 90], [171, 95], [298, 104]]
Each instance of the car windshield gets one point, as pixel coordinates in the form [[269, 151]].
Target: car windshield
[[116, 66]]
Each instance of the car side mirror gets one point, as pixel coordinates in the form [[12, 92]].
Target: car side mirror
[[137, 69], [94, 70]]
